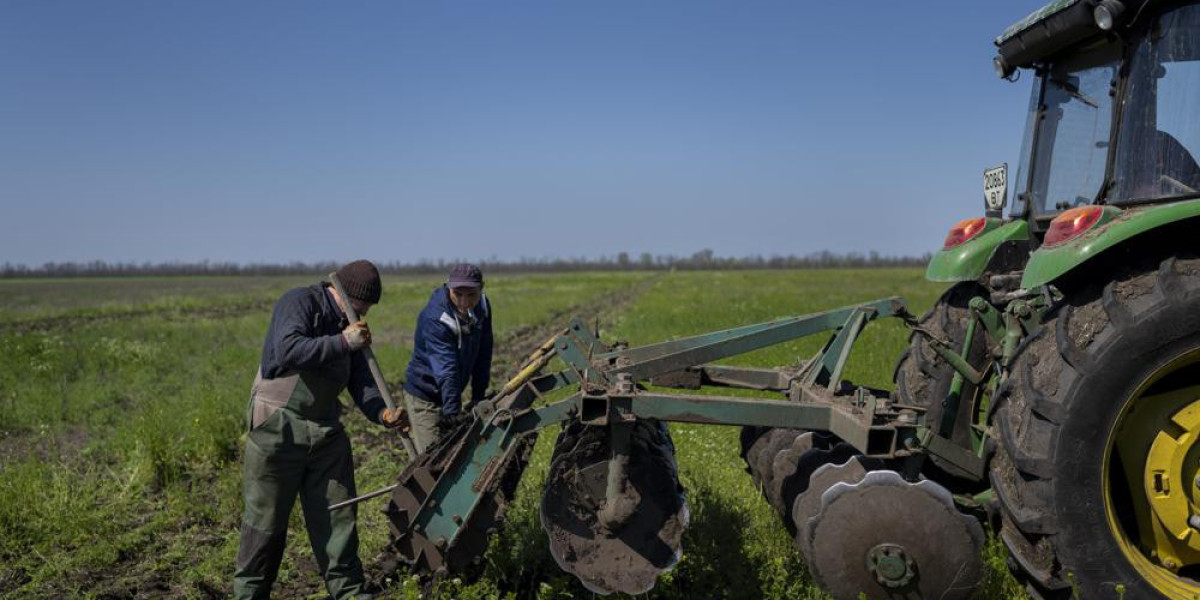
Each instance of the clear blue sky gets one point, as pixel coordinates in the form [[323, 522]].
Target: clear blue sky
[[279, 131]]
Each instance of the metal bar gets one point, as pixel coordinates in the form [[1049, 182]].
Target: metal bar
[[833, 357], [527, 394], [953, 399], [372, 364], [854, 428], [662, 358], [579, 361], [579, 330], [956, 455], [745, 377], [546, 416], [956, 362], [366, 496]]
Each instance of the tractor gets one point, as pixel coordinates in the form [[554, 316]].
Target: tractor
[[1051, 395]]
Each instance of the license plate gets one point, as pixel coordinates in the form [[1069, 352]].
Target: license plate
[[995, 187]]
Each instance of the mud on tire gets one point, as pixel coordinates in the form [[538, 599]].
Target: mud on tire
[[1064, 513]]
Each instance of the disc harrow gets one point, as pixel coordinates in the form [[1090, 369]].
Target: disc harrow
[[613, 508]]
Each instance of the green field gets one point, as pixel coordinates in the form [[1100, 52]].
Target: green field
[[123, 406]]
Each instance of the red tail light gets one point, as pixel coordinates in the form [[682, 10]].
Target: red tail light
[[963, 231], [1072, 223]]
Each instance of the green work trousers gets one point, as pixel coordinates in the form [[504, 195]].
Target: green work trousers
[[287, 456], [424, 416]]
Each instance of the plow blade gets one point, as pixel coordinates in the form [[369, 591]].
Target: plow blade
[[613, 508]]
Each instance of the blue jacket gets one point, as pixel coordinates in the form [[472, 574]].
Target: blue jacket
[[449, 352], [305, 334]]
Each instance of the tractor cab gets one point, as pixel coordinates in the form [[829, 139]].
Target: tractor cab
[[1111, 142], [1112, 117]]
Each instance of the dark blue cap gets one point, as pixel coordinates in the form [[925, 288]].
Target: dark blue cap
[[465, 275]]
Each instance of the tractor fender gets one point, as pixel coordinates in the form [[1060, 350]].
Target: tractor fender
[[968, 261], [1048, 264]]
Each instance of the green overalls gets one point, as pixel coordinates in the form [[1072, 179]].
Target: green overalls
[[296, 445]]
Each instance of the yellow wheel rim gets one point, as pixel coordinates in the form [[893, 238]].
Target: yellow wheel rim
[[1151, 489]]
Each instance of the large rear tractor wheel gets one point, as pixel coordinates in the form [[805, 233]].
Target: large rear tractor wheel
[[1099, 455], [923, 378]]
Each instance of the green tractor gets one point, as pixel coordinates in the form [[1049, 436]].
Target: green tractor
[[1093, 412], [1052, 394]]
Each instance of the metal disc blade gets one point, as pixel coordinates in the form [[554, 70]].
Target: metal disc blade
[[783, 466], [627, 556], [887, 538], [808, 502]]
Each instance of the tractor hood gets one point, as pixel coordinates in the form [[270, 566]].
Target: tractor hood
[[1052, 28]]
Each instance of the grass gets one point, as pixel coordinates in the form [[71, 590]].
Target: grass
[[123, 405]]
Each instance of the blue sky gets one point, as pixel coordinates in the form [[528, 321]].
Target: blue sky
[[280, 131]]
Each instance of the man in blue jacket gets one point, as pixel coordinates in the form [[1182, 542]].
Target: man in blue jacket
[[296, 444], [453, 347]]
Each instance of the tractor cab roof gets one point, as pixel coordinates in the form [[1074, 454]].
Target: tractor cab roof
[[1057, 26]]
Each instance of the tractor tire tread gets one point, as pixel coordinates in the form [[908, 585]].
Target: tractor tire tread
[[1078, 339]]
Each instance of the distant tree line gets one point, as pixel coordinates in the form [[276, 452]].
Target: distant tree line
[[623, 261]]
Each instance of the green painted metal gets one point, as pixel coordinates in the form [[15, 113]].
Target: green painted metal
[[454, 496], [954, 397], [744, 377], [608, 397], [967, 261], [647, 361], [829, 363], [1048, 264], [961, 457]]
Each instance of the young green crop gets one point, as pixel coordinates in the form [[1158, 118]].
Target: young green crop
[[122, 408]]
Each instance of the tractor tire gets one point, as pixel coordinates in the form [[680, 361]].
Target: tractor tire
[[922, 378], [1098, 425]]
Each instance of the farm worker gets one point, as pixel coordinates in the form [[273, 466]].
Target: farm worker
[[296, 444], [452, 346]]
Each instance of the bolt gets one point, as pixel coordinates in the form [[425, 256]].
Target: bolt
[[890, 565], [457, 519], [1170, 563], [1194, 522]]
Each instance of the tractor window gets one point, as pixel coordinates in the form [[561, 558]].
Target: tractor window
[[1018, 205], [1160, 131], [1073, 131]]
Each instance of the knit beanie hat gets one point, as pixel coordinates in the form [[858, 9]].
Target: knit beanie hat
[[361, 281]]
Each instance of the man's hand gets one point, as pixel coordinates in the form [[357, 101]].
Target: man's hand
[[357, 335], [393, 418], [449, 423]]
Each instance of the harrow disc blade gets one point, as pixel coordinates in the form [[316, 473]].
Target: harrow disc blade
[[761, 457], [887, 538], [783, 465], [617, 544], [793, 478], [808, 502]]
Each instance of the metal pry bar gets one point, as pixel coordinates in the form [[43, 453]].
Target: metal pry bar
[[372, 364]]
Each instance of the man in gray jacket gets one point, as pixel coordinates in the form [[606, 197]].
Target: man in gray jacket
[[296, 444]]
